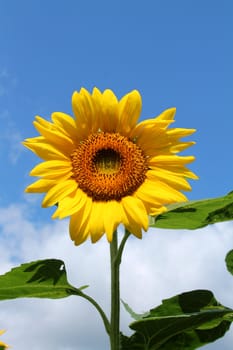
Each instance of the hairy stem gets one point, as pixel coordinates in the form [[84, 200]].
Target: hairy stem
[[99, 309], [115, 296], [115, 255]]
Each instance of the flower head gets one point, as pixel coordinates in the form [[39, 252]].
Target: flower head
[[102, 169], [3, 346]]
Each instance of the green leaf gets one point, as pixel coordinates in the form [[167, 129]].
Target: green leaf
[[133, 314], [186, 321], [37, 279], [229, 261], [195, 214]]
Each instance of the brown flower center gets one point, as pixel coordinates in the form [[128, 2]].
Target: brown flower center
[[108, 166]]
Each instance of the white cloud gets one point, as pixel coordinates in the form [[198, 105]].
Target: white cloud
[[162, 264]]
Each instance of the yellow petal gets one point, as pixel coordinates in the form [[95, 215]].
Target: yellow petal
[[136, 213], [58, 192], [51, 167], [53, 134], [34, 139], [40, 186], [148, 197], [77, 234], [70, 204], [66, 124], [152, 126], [112, 217], [173, 180], [181, 146], [152, 138], [129, 224], [168, 114], [85, 111], [79, 222], [44, 123], [158, 211], [2, 343], [45, 150], [176, 170], [171, 160], [96, 221], [129, 111], [60, 148], [155, 139], [155, 192], [134, 228], [179, 132], [110, 118]]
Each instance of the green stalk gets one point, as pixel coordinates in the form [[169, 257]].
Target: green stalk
[[99, 309], [113, 327], [115, 256], [115, 295], [122, 245]]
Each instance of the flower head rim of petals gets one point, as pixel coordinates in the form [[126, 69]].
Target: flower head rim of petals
[[101, 161]]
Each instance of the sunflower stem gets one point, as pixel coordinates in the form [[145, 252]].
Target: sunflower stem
[[115, 255], [99, 309], [115, 295], [122, 245]]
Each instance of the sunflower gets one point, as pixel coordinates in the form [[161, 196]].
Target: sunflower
[[3, 346], [102, 169]]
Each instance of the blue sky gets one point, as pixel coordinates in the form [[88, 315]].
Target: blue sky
[[176, 53]]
